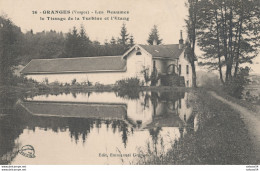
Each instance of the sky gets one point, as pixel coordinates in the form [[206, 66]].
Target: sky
[[168, 15]]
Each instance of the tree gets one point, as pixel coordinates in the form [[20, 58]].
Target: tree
[[154, 77], [46, 44], [10, 44], [72, 43], [84, 43], [191, 25], [228, 34], [123, 40], [132, 42], [153, 38], [113, 40]]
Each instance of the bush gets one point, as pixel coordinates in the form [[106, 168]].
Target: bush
[[22, 81], [236, 85], [73, 81], [128, 87], [128, 83], [55, 86], [99, 86], [43, 87], [46, 81], [145, 73], [154, 78], [89, 83]]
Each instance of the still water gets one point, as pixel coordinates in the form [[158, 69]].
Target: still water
[[94, 127]]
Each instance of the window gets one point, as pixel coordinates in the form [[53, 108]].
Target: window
[[138, 53], [154, 64], [187, 83], [179, 69], [187, 69]]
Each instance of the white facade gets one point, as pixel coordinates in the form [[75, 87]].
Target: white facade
[[137, 59], [181, 64], [186, 70], [134, 66]]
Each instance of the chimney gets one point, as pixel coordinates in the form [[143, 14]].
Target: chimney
[[154, 42], [181, 41]]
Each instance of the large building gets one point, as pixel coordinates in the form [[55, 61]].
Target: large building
[[109, 69]]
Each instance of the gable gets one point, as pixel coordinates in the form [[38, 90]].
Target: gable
[[170, 51]]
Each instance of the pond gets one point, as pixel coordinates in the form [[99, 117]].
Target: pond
[[93, 127]]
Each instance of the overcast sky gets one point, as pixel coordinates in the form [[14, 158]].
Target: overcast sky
[[168, 15]]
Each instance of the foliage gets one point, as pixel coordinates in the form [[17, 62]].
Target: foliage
[[236, 86], [228, 34], [73, 82], [154, 36], [146, 72], [154, 77], [128, 83], [89, 83], [42, 45], [77, 44], [43, 87], [128, 87], [46, 81], [131, 41], [123, 35], [10, 44], [208, 80], [250, 97]]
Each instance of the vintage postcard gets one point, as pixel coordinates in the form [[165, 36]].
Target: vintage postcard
[[129, 82]]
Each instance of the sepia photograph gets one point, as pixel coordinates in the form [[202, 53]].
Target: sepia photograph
[[129, 82]]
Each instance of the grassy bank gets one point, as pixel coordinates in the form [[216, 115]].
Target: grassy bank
[[220, 90], [33, 88], [250, 106], [221, 137]]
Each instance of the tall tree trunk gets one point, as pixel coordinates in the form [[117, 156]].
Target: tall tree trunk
[[239, 40], [230, 43], [218, 48], [194, 77], [225, 39], [194, 22]]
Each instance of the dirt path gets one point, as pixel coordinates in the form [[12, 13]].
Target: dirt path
[[251, 120]]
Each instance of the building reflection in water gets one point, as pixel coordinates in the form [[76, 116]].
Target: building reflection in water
[[99, 120]]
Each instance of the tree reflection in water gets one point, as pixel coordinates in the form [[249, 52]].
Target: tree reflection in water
[[10, 126], [10, 129], [80, 128], [154, 133]]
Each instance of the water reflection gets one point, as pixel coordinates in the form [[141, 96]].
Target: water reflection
[[87, 125], [10, 127]]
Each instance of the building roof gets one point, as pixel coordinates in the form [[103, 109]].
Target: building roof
[[75, 65], [165, 51]]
